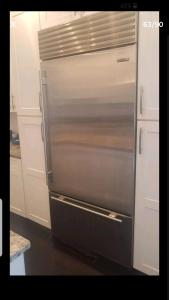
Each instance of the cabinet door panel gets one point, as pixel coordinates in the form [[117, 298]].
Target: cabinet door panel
[[17, 202], [31, 143], [32, 151], [26, 28], [148, 67], [36, 193], [146, 233], [13, 71]]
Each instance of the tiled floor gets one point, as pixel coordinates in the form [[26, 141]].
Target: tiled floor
[[49, 257]]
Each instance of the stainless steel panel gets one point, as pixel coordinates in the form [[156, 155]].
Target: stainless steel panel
[[98, 31], [92, 233], [90, 119]]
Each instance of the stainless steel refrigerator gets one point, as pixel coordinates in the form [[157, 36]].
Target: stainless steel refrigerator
[[88, 77]]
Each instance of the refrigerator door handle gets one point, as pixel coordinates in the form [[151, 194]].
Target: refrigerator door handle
[[140, 139], [42, 132], [40, 92], [46, 162], [40, 100], [44, 129], [141, 100]]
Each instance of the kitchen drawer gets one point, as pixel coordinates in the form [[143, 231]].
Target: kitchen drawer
[[89, 231]]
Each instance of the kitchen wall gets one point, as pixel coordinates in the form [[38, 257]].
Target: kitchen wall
[[13, 122]]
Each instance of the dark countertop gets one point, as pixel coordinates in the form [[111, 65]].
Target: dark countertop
[[15, 151]]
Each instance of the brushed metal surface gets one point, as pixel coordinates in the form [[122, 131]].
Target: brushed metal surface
[[89, 113], [92, 233], [97, 31]]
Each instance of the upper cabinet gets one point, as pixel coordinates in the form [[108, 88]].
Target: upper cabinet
[[13, 73], [148, 67], [24, 30]]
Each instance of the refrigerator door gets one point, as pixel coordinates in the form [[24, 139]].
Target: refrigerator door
[[89, 108]]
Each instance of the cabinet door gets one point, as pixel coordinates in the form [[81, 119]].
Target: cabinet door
[[13, 73], [146, 233], [32, 151], [148, 67], [53, 18], [26, 26], [17, 202]]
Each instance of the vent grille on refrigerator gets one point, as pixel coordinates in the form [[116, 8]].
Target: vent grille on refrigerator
[[98, 31]]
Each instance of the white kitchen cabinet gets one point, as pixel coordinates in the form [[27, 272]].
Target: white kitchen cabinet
[[53, 18], [148, 67], [25, 31], [17, 198], [13, 73], [146, 232], [32, 151]]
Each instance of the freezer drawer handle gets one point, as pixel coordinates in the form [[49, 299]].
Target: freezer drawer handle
[[110, 216], [113, 217]]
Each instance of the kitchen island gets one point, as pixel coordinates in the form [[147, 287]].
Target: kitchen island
[[18, 245]]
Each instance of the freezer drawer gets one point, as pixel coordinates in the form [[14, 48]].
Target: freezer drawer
[[92, 230]]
